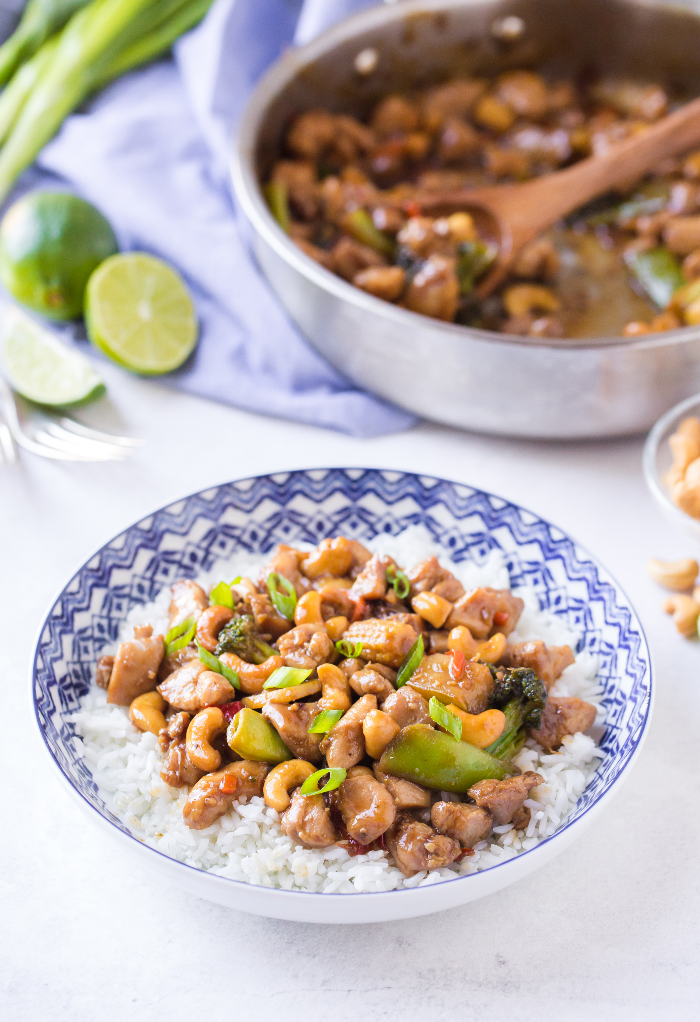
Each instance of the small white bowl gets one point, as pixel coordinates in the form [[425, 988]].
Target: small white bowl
[[656, 462]]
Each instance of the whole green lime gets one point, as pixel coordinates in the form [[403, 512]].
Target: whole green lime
[[50, 242]]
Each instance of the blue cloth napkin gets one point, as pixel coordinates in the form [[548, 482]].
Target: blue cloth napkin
[[151, 152]]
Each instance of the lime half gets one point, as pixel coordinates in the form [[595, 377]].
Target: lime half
[[138, 311], [43, 369]]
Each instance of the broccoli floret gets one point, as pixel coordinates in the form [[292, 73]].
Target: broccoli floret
[[522, 697], [239, 637]]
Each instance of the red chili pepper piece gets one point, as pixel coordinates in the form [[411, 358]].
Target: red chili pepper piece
[[411, 207], [228, 785], [457, 662], [230, 710], [500, 617], [465, 853], [360, 611]]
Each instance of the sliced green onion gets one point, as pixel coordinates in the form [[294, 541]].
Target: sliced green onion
[[283, 594], [287, 677], [278, 201], [214, 664], [347, 648], [398, 580], [221, 595], [360, 225], [445, 718], [336, 776], [180, 636], [325, 721], [413, 658]]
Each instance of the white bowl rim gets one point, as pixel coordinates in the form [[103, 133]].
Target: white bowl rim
[[416, 892], [651, 447]]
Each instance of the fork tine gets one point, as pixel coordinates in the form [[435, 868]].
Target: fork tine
[[7, 447], [95, 434], [74, 442], [45, 441]]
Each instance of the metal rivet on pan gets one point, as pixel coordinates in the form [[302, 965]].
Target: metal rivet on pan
[[507, 29], [366, 61]]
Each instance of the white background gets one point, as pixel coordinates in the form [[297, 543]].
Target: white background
[[608, 931]]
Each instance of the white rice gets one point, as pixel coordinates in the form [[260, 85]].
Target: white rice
[[247, 843]]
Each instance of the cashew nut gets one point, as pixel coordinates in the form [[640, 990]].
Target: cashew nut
[[146, 712], [210, 624], [204, 727], [379, 729], [492, 649], [685, 614], [308, 609], [433, 608], [335, 688], [282, 695], [252, 676], [282, 779], [480, 729], [335, 626], [676, 575], [520, 299], [331, 557]]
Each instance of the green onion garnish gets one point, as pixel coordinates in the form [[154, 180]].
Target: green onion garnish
[[445, 718], [336, 776], [180, 636], [221, 595], [413, 658], [398, 580], [283, 594], [347, 648], [278, 201], [325, 721], [287, 677], [214, 664]]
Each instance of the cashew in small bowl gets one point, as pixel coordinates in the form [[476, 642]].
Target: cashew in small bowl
[[379, 729], [676, 575], [146, 712], [284, 778], [210, 624], [685, 614], [202, 729]]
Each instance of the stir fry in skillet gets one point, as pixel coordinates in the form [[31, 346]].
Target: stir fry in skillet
[[362, 199], [369, 706]]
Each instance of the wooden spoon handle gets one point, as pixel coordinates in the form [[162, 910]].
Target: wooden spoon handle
[[531, 207]]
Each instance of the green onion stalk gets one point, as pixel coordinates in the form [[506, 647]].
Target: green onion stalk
[[100, 42], [40, 20]]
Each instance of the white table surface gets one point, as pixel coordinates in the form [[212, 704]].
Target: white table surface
[[608, 931]]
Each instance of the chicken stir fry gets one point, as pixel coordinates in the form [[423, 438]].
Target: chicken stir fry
[[375, 202], [367, 705]]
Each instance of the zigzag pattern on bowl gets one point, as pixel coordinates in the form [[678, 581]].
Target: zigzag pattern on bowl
[[191, 535]]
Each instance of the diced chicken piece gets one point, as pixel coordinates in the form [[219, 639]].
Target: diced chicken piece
[[385, 282], [386, 641], [366, 806], [292, 724], [193, 687], [300, 179], [524, 92], [682, 234], [285, 561], [537, 261], [360, 555], [407, 707], [406, 794], [438, 641], [214, 793], [393, 115], [434, 290], [429, 575], [502, 799], [462, 822], [268, 620], [455, 98], [179, 771], [370, 584], [104, 671], [308, 821], [547, 662], [344, 745], [632, 99], [372, 681], [458, 140], [470, 692], [173, 661], [311, 134], [563, 715], [348, 258], [415, 846], [188, 600], [485, 611], [305, 646], [135, 668]]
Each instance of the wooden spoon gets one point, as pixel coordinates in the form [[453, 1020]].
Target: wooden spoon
[[512, 215]]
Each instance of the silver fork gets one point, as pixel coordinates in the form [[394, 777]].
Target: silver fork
[[57, 437]]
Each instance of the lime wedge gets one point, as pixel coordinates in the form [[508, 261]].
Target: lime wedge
[[138, 312], [43, 369]]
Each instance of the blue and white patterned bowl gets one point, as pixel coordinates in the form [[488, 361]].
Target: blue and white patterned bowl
[[190, 536]]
